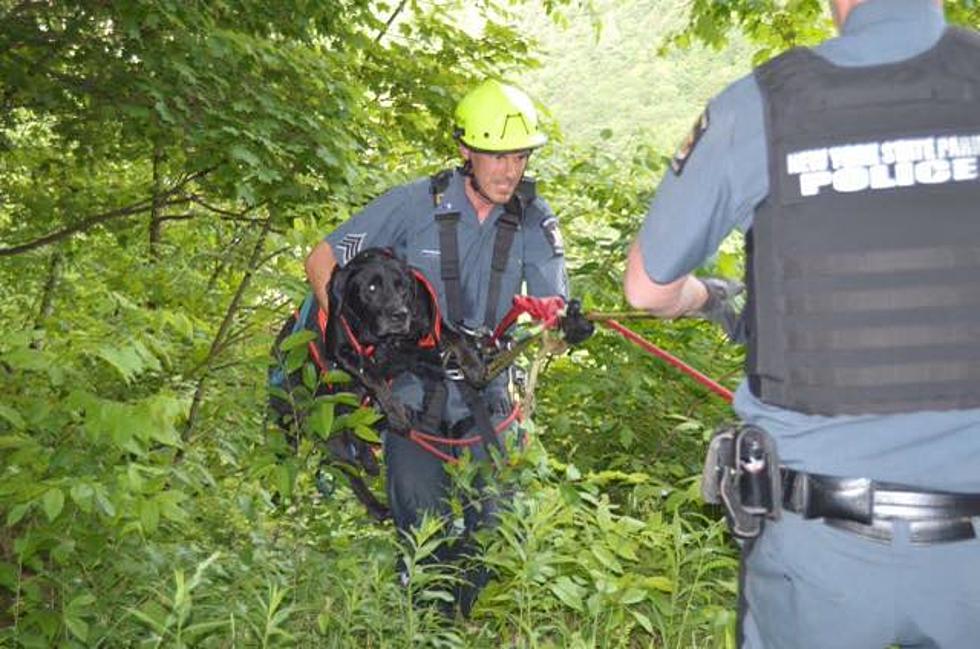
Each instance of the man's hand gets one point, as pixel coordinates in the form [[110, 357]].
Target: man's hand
[[722, 307], [574, 326]]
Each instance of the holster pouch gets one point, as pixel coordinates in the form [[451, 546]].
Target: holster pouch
[[741, 472]]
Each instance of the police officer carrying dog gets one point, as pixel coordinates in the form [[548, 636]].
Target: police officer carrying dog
[[478, 233], [852, 167]]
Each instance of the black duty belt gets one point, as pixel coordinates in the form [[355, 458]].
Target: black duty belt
[[869, 508]]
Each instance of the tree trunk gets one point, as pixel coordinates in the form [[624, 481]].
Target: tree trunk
[[156, 207], [50, 285], [217, 345], [46, 307]]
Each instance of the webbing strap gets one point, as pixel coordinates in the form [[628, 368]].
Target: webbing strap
[[507, 226], [436, 394], [449, 264], [481, 415]]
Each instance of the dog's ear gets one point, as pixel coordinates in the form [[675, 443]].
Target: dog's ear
[[423, 305], [337, 288]]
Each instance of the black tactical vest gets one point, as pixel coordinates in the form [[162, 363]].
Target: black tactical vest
[[864, 259]]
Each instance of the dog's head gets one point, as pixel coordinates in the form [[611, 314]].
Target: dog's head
[[380, 298]]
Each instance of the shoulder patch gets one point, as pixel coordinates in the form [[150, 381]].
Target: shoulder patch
[[680, 158], [350, 245], [553, 235]]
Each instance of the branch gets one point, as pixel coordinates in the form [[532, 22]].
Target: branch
[[225, 327], [187, 216], [47, 296], [194, 198], [273, 255], [88, 223], [85, 224], [391, 19]]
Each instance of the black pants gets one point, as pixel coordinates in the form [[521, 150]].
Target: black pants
[[418, 485]]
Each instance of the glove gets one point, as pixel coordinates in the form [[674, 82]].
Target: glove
[[722, 306], [574, 326]]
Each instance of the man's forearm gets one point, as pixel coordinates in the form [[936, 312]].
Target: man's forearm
[[320, 264], [671, 300]]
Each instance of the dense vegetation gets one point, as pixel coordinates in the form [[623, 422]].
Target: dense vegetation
[[164, 166]]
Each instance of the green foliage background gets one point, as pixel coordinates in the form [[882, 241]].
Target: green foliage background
[[164, 167]]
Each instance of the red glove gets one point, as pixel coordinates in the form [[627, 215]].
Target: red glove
[[545, 310]]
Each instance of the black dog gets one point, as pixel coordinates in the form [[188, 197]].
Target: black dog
[[383, 321]]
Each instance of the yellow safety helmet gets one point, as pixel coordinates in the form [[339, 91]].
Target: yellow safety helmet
[[495, 117]]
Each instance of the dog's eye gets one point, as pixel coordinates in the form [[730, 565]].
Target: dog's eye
[[372, 288]]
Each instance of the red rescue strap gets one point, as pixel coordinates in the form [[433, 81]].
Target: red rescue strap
[[547, 310], [650, 348], [426, 441]]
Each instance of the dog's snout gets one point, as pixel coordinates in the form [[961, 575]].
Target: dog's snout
[[395, 321], [400, 314]]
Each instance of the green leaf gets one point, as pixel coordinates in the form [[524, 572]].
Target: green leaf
[[104, 502], [660, 583], [572, 474], [367, 434], [83, 496], [53, 502], [284, 479], [607, 558], [337, 376], [15, 441], [16, 513], [632, 596], [169, 502], [164, 112], [321, 418], [242, 153], [328, 158], [27, 359], [643, 620], [81, 602], [78, 627], [125, 360], [8, 575], [309, 376], [568, 592], [149, 515], [295, 359], [12, 416], [297, 339]]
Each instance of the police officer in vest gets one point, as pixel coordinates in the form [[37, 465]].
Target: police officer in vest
[[852, 168], [480, 234]]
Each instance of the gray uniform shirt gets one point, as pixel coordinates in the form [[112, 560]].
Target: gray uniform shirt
[[725, 177], [403, 219]]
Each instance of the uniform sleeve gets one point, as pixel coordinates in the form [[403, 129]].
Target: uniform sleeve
[[379, 224], [544, 254], [711, 188]]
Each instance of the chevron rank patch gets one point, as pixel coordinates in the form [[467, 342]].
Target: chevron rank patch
[[684, 152], [349, 246], [553, 234]]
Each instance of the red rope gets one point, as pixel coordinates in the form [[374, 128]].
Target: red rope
[[649, 347], [445, 457], [426, 440]]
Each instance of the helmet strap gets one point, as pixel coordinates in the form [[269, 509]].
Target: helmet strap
[[467, 170]]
